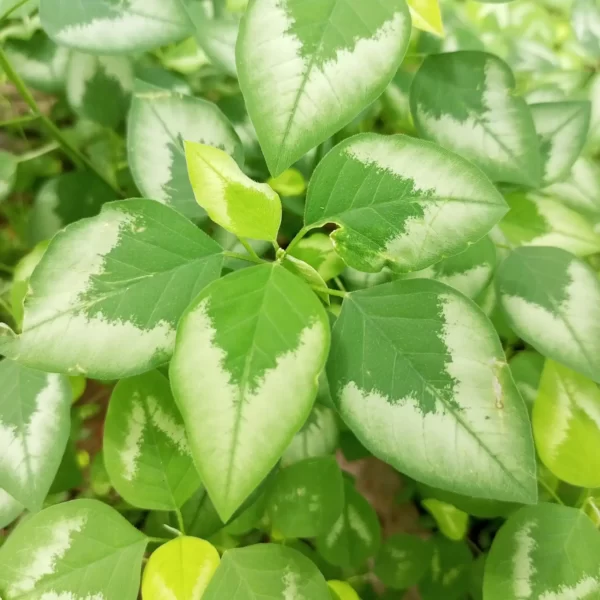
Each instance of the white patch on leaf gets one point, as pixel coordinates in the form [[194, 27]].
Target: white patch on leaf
[[166, 424], [70, 596], [336, 530], [523, 567], [291, 590], [356, 523], [132, 449], [580, 591]]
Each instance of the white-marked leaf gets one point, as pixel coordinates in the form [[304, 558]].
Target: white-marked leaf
[[146, 452], [566, 425], [158, 123], [419, 375], [466, 101], [93, 79], [317, 250], [400, 202], [585, 17], [315, 67], [356, 534], [449, 571], [341, 590], [535, 220], [402, 560], [551, 300], [39, 61], [426, 15], [451, 521], [66, 199], [468, 272], [266, 572], [249, 341], [231, 199], [117, 281], [546, 552], [306, 498], [109, 27], [77, 550], [10, 509], [562, 128], [180, 570], [34, 429], [8, 173]]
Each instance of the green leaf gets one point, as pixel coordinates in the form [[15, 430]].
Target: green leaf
[[426, 15], [585, 16], [93, 79], [315, 67], [340, 590], [78, 549], [536, 220], [403, 560], [23, 11], [526, 368], [266, 572], [317, 250], [419, 375], [158, 122], [552, 301], [118, 280], [545, 551], [180, 570], [106, 27], [562, 128], [66, 199], [469, 272], [451, 521], [34, 429], [290, 183], [8, 173], [254, 333], [466, 101], [307, 498], [356, 534], [232, 200], [400, 202], [146, 451], [10, 509], [566, 425], [450, 570]]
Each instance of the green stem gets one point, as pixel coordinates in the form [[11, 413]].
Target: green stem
[[550, 491], [297, 238], [340, 284], [329, 291], [71, 151], [19, 121], [51, 147], [247, 257], [158, 540], [249, 249], [180, 521], [12, 9]]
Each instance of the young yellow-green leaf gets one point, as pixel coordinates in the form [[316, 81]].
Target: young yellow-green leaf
[[535, 220], [159, 121], [546, 552], [566, 425], [317, 250], [8, 173], [562, 128], [306, 498], [452, 522], [426, 15], [340, 590], [419, 375], [34, 429], [78, 549], [551, 300], [466, 101], [356, 534], [403, 560], [108, 27], [400, 202], [10, 509], [250, 340], [231, 199], [146, 451], [449, 573], [315, 67], [306, 272], [266, 572], [117, 281], [290, 183], [180, 570]]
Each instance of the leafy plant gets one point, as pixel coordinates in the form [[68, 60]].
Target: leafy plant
[[300, 300]]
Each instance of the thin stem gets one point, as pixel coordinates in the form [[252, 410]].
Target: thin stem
[[246, 257], [276, 246], [50, 147], [71, 151], [12, 9], [249, 249], [297, 238], [340, 284], [180, 521], [583, 498], [329, 291], [19, 120], [550, 491], [158, 540]]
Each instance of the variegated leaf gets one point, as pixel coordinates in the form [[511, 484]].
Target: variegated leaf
[[449, 571], [419, 375], [159, 121], [34, 429], [81, 549], [400, 202], [466, 101], [259, 335], [10, 509], [315, 67], [585, 15], [146, 451], [118, 280], [403, 560], [552, 301], [546, 552]]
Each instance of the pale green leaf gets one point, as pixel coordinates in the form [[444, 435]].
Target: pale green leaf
[[400, 202], [10, 509], [34, 429], [426, 15], [146, 451], [317, 250], [585, 17], [306, 272], [8, 173], [466, 101], [526, 368], [452, 522], [290, 183], [315, 67], [244, 343], [552, 301], [23, 11], [118, 280], [78, 549], [340, 590], [419, 375]]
